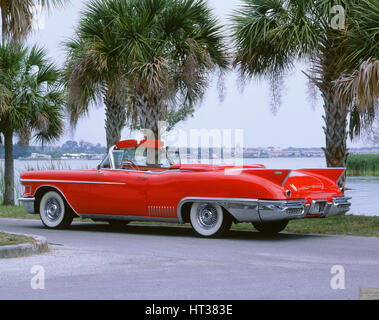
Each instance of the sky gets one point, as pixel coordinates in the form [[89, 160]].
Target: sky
[[297, 123]]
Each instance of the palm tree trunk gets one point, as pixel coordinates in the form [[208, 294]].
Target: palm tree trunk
[[115, 120], [336, 113], [335, 130], [8, 169], [150, 114]]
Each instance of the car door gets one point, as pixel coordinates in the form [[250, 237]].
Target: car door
[[118, 192], [163, 194]]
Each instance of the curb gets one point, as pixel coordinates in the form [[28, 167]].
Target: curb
[[39, 246]]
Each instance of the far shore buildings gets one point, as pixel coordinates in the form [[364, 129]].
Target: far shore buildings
[[80, 156], [66, 156], [272, 152], [37, 156], [214, 153]]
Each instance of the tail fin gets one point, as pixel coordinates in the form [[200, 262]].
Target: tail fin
[[333, 174]]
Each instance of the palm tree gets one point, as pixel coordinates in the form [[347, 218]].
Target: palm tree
[[145, 58], [270, 36], [359, 85], [90, 80], [17, 16], [30, 103]]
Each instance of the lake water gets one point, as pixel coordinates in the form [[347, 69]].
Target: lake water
[[363, 190]]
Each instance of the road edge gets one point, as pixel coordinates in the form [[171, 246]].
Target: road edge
[[40, 245]]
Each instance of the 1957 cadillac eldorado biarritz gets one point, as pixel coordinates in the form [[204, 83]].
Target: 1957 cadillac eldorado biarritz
[[127, 186]]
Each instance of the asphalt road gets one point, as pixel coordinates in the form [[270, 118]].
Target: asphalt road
[[92, 261]]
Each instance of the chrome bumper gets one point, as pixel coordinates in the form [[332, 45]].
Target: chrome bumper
[[276, 210], [244, 210], [28, 204], [339, 206], [282, 210]]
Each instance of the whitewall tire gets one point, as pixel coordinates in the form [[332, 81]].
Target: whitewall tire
[[54, 212], [209, 219]]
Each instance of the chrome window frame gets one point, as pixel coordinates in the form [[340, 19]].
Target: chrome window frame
[[113, 165]]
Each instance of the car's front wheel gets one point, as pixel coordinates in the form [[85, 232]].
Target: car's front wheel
[[54, 212], [272, 227], [209, 219]]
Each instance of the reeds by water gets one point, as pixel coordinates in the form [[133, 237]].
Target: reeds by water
[[363, 165]]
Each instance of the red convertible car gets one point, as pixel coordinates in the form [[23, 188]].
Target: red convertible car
[[129, 185]]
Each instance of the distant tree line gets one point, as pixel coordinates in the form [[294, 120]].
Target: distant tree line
[[55, 152]]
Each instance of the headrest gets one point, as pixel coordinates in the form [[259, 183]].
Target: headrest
[[127, 144]]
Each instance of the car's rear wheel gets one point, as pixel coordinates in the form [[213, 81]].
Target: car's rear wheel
[[272, 227], [209, 219], [54, 211]]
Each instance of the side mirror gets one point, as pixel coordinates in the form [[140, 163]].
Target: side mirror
[[98, 168]]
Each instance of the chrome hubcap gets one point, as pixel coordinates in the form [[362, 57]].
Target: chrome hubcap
[[207, 216], [53, 209]]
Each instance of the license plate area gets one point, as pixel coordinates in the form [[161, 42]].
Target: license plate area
[[318, 207]]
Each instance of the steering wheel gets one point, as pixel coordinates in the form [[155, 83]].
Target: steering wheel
[[133, 164]]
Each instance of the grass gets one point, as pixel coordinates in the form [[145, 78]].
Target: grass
[[363, 165], [16, 212], [7, 239], [349, 225]]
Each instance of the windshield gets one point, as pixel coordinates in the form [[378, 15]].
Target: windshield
[[138, 158]]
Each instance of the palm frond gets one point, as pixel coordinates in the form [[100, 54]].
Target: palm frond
[[34, 107], [362, 86], [17, 16], [270, 35], [161, 50]]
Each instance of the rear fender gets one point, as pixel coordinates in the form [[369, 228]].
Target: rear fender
[[278, 177]]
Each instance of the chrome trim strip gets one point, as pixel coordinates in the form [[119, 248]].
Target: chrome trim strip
[[111, 157], [127, 218], [339, 179], [72, 181], [161, 211], [28, 192], [285, 180], [165, 170]]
